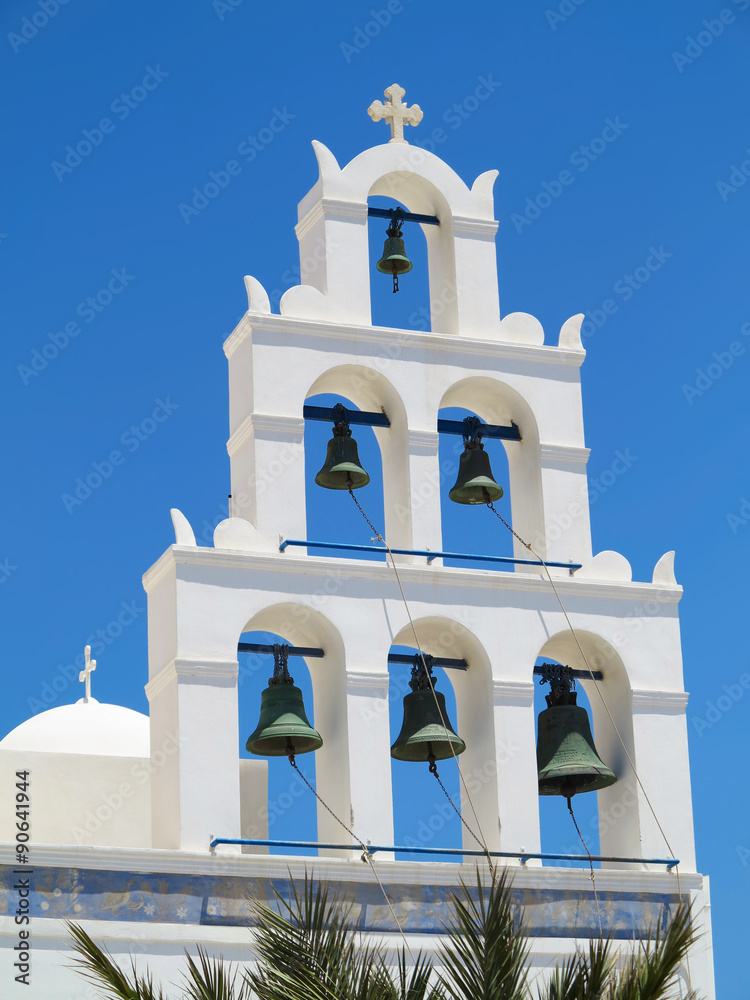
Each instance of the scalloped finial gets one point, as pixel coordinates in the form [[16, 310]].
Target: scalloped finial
[[257, 296], [395, 112], [664, 570], [570, 332], [183, 533]]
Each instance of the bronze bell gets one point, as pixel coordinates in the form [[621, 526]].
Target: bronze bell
[[475, 482], [394, 260], [283, 729], [426, 733], [341, 469], [567, 760]]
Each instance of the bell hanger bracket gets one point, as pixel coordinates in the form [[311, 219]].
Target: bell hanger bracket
[[475, 428], [398, 215], [546, 672]]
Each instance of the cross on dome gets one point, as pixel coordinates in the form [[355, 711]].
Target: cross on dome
[[85, 674], [395, 112]]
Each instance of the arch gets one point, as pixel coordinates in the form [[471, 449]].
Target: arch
[[301, 625], [474, 722], [412, 308], [369, 389], [495, 402], [427, 197], [618, 805], [461, 250]]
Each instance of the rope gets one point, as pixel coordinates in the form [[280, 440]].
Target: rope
[[603, 701], [366, 856], [591, 865], [588, 667], [483, 841]]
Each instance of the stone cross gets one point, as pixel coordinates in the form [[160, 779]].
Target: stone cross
[[85, 674], [395, 112]]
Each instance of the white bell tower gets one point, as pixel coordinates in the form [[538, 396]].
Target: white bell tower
[[200, 599]]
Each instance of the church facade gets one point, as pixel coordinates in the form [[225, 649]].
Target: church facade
[[134, 816]]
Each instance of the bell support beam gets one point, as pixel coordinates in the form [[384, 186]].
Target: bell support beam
[[326, 414], [263, 647], [391, 213], [511, 433], [582, 675], [372, 419]]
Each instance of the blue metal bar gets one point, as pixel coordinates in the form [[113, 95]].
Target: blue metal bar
[[374, 848], [388, 213], [511, 433], [353, 416], [346, 546]]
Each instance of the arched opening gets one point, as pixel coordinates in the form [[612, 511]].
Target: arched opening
[[516, 466], [383, 454], [331, 514], [558, 832], [291, 810], [611, 814], [471, 528], [423, 816], [409, 309]]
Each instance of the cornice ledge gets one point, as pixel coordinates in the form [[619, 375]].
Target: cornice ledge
[[160, 568], [570, 454], [415, 573], [672, 702], [266, 425], [513, 692], [368, 680], [463, 345], [235, 338], [202, 669], [465, 226], [423, 441], [331, 208]]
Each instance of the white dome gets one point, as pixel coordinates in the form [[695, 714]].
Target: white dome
[[86, 727]]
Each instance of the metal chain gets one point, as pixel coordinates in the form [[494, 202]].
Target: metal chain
[[366, 856], [434, 770], [511, 530], [591, 865]]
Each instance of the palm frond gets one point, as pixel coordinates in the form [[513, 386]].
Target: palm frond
[[309, 950], [650, 973], [212, 979], [97, 966], [584, 976], [485, 955]]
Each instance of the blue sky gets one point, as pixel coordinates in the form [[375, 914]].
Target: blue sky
[[644, 109]]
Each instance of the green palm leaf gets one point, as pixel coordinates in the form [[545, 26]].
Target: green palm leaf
[[212, 979], [650, 973], [97, 966], [485, 956]]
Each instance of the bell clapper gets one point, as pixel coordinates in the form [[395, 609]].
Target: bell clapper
[[395, 279]]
